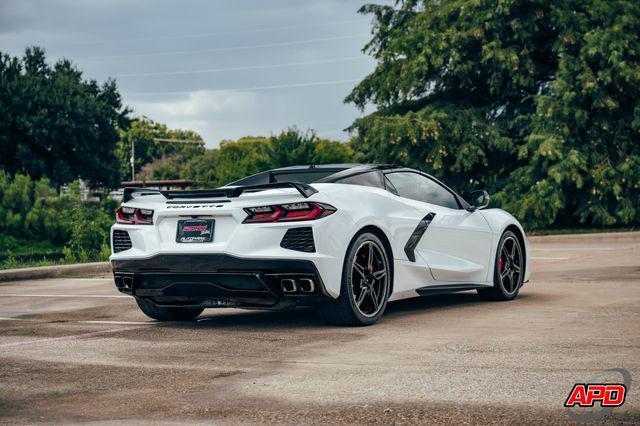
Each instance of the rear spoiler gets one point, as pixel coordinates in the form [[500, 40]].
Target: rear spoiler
[[305, 190]]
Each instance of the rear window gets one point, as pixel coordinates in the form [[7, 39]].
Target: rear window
[[373, 178], [301, 177]]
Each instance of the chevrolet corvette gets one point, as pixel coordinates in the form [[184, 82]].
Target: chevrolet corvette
[[343, 238]]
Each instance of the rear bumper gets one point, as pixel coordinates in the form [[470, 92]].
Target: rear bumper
[[217, 280]]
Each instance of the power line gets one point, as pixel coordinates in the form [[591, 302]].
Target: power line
[[242, 68], [223, 49], [204, 35], [193, 141], [247, 89]]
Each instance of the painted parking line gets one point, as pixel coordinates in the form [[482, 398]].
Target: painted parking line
[[104, 322], [80, 296], [548, 258], [582, 248], [71, 337], [87, 279], [120, 322], [589, 254]]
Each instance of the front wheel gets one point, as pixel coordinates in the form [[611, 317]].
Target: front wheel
[[508, 270], [160, 313], [366, 281]]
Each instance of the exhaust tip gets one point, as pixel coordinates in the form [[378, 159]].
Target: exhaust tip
[[127, 281], [307, 285], [288, 285], [118, 281]]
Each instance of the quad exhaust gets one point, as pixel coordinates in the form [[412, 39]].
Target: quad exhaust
[[124, 282], [288, 285], [127, 281], [306, 285], [297, 285]]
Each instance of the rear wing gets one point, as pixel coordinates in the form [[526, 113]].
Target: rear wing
[[232, 192]]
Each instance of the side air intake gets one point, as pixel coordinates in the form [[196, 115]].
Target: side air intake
[[414, 239], [299, 239]]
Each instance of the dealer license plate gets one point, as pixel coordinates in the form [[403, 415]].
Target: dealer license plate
[[195, 231]]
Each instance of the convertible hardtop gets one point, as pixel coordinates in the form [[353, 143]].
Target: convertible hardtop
[[297, 177]]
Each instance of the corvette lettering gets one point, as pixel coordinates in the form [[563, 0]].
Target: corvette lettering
[[195, 206]]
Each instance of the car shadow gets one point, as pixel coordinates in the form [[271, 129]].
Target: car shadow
[[433, 302], [308, 318]]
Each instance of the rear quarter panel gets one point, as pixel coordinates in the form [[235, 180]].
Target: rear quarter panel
[[499, 220], [394, 216]]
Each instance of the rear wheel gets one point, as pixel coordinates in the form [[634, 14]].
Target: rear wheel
[[160, 313], [508, 270], [365, 285]]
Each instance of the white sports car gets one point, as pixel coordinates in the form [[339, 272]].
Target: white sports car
[[344, 238]]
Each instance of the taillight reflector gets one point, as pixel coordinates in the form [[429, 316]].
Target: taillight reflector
[[133, 216], [293, 212]]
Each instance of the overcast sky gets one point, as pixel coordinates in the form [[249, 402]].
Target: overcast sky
[[225, 69]]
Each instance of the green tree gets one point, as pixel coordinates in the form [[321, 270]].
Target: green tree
[[152, 142], [54, 123], [89, 230], [328, 152], [536, 100], [294, 147], [241, 158], [200, 168], [582, 155], [237, 159], [291, 147]]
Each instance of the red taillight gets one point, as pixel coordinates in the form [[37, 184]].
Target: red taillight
[[288, 212], [132, 216]]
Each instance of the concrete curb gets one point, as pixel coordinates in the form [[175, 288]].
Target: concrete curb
[[104, 268], [581, 238], [58, 271]]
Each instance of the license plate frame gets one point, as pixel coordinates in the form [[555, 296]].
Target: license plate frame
[[198, 231]]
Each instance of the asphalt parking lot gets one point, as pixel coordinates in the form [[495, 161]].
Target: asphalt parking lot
[[75, 350]]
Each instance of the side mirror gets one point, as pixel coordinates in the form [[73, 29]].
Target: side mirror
[[479, 200]]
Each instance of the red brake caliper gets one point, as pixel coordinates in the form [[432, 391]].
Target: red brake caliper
[[501, 264]]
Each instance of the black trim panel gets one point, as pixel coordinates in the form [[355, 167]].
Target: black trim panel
[[414, 239], [213, 280], [447, 288]]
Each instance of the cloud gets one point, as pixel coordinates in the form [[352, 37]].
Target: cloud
[[122, 38], [204, 112]]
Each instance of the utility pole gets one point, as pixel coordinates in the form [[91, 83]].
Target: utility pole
[[133, 162]]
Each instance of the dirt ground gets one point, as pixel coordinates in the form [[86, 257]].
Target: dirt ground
[[75, 350]]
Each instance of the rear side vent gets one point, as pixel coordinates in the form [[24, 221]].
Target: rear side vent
[[299, 239], [121, 241]]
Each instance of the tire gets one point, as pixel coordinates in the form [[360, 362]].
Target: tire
[[508, 270], [160, 313], [370, 285]]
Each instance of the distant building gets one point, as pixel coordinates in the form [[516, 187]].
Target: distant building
[[152, 184]]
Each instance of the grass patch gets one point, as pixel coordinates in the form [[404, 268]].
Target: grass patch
[[18, 253]]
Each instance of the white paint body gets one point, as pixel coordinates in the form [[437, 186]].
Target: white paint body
[[458, 247]]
